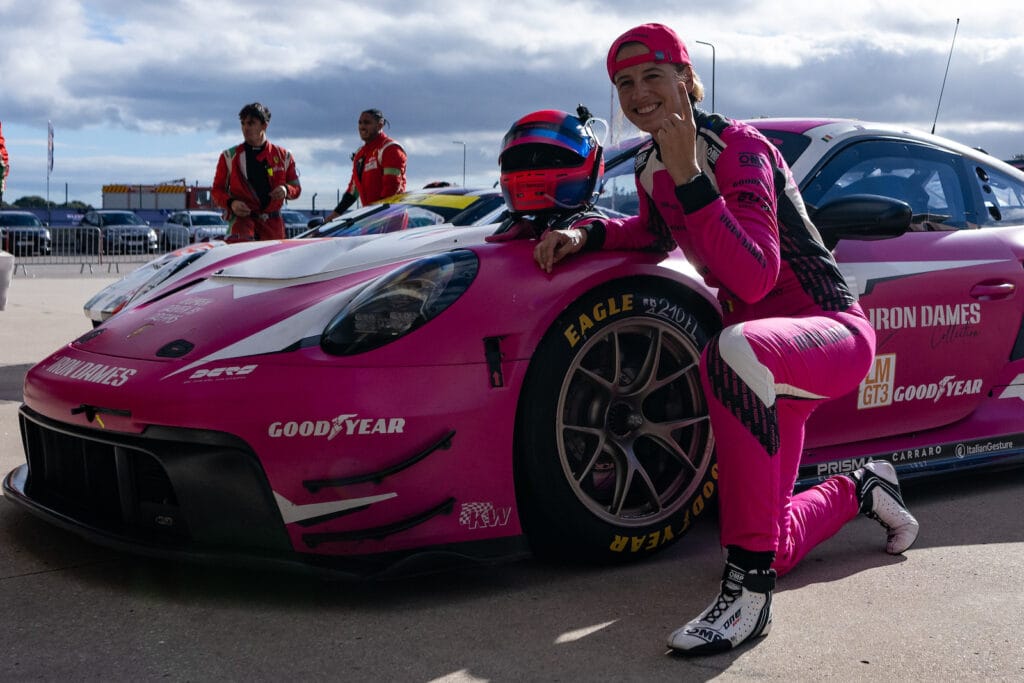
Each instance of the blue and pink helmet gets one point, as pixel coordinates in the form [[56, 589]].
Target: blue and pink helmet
[[550, 161]]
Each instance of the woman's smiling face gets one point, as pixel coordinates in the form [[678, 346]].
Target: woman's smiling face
[[650, 92]]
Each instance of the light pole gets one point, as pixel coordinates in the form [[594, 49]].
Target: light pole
[[713, 90], [460, 142]]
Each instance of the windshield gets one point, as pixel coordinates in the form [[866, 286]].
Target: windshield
[[411, 211], [392, 219], [121, 219], [12, 219], [202, 219]]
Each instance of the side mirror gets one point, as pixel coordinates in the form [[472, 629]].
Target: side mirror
[[861, 217]]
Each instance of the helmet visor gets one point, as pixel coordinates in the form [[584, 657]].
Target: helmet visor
[[568, 136]]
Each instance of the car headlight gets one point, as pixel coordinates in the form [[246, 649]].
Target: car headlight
[[46, 235], [152, 235], [399, 302]]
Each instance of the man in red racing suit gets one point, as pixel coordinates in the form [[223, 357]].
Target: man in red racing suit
[[378, 167], [254, 179], [793, 333]]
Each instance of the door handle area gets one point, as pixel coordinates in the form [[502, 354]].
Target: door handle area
[[987, 291]]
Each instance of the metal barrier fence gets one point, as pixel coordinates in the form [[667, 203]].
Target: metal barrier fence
[[91, 247]]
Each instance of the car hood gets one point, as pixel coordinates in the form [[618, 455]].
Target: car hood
[[259, 300], [284, 260], [331, 257]]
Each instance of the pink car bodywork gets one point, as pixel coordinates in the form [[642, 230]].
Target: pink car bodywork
[[298, 454]]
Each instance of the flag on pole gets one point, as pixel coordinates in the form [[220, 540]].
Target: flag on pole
[[49, 147]]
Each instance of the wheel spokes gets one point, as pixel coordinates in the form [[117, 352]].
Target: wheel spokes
[[633, 443]]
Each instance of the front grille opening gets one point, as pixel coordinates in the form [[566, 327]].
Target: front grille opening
[[114, 488]]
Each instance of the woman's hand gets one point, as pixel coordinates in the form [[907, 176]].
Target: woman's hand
[[555, 245], [677, 139]]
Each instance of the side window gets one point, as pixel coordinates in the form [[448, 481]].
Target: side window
[[930, 180], [1003, 195]]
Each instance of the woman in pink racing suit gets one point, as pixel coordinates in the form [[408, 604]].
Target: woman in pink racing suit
[[794, 334]]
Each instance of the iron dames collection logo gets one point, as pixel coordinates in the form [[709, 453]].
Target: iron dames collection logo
[[912, 317]]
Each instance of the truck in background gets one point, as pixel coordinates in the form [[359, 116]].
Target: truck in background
[[174, 195]]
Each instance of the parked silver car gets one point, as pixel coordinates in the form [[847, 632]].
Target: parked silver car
[[295, 222], [189, 227], [117, 232], [23, 234]]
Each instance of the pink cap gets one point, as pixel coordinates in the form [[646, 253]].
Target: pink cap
[[662, 43]]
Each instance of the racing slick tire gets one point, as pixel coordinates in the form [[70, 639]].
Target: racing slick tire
[[613, 441]]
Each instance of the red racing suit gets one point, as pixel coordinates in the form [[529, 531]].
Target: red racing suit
[[794, 333], [231, 183], [378, 170]]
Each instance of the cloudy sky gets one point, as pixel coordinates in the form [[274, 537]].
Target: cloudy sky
[[146, 91]]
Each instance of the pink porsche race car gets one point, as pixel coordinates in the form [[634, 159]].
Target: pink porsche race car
[[425, 396]]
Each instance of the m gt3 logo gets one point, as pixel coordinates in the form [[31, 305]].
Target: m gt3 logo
[[348, 424]]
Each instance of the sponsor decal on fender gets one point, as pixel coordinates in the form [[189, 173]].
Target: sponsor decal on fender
[[348, 424], [602, 310], [97, 373], [878, 387], [483, 515], [226, 372], [948, 387]]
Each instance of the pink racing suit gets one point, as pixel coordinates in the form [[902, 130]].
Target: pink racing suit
[[794, 333]]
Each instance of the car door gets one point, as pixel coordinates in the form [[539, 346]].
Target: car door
[[943, 298]]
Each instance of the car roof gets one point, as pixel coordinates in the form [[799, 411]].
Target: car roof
[[827, 133]]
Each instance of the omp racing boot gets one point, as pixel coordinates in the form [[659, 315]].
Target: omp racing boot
[[879, 494], [743, 610]]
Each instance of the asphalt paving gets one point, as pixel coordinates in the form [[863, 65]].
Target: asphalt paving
[[951, 608]]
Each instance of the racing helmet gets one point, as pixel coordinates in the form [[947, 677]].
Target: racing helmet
[[550, 160]]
